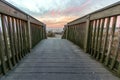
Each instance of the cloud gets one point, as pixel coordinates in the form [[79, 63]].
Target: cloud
[[56, 13]]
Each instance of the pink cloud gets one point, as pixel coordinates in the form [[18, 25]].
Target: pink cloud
[[60, 21], [74, 10], [78, 8]]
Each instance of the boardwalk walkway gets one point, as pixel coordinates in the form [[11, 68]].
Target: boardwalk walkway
[[58, 59]]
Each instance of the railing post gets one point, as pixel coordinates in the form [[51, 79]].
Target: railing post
[[29, 32], [87, 34], [2, 56]]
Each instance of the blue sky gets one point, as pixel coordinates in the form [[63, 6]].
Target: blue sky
[[56, 13]]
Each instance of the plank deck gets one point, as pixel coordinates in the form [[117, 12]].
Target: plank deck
[[58, 59]]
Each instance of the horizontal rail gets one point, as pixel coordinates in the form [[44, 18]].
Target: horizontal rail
[[99, 36]]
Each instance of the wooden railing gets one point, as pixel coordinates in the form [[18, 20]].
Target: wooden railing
[[98, 33], [19, 32]]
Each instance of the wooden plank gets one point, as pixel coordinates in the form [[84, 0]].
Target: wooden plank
[[29, 32], [111, 39], [79, 20], [10, 31], [116, 54], [6, 37], [105, 41], [21, 37], [8, 10], [115, 10], [117, 30], [19, 40], [2, 53], [14, 38], [118, 71], [28, 39], [108, 11], [90, 36], [35, 21], [97, 36], [93, 43], [75, 33], [24, 37], [86, 35], [101, 35]]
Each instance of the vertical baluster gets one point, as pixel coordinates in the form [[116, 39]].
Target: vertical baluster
[[101, 35], [96, 38], [2, 53], [111, 39], [10, 30], [90, 36], [6, 39], [94, 34], [105, 41]]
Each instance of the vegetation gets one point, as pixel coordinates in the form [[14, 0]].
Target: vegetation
[[51, 34]]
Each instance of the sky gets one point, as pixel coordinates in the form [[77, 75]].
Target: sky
[[56, 13]]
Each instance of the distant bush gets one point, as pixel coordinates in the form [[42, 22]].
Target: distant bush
[[50, 34]]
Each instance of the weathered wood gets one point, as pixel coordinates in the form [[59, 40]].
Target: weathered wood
[[35, 21], [18, 41], [10, 31], [9, 10], [6, 39], [111, 11], [87, 34], [116, 53], [97, 35], [93, 43], [15, 34], [102, 13], [79, 20], [29, 32], [101, 35], [90, 36], [15, 39], [111, 39], [2, 53], [21, 37], [105, 41], [59, 60]]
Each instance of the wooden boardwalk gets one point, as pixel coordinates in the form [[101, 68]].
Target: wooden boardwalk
[[58, 59]]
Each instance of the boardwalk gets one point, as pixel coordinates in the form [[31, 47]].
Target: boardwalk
[[58, 59]]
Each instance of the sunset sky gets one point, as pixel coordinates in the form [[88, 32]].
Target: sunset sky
[[56, 13]]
